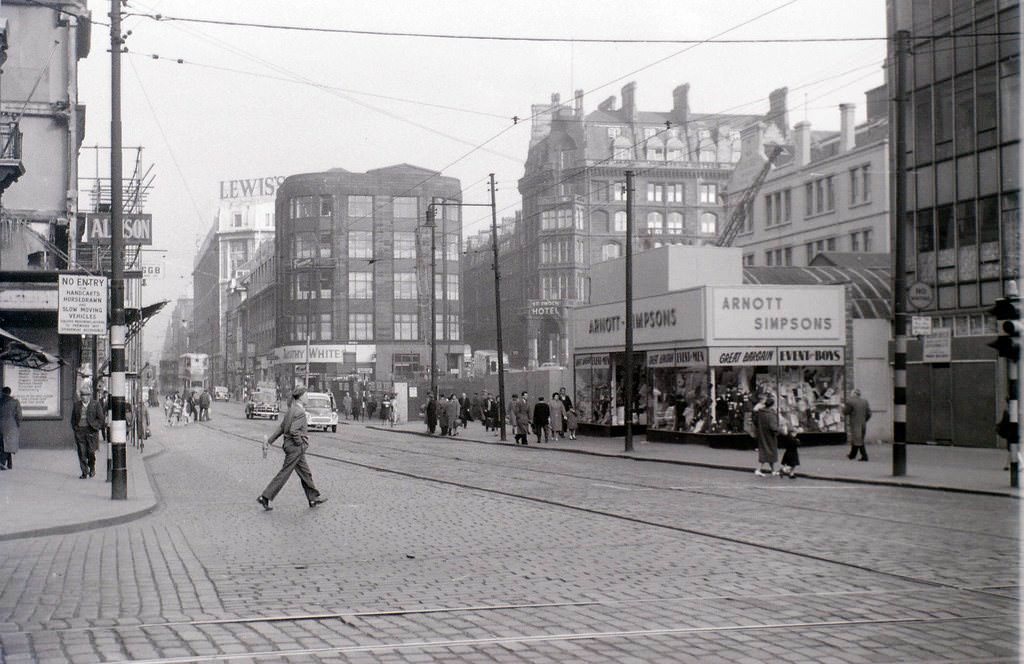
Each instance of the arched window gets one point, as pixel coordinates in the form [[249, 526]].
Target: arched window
[[655, 150], [610, 250], [675, 223], [654, 223], [599, 221], [674, 149], [622, 149], [620, 221], [708, 223]]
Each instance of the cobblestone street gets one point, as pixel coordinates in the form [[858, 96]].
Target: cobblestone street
[[433, 549]]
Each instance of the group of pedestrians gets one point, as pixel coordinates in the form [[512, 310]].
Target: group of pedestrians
[[363, 406], [547, 420], [190, 407], [771, 433]]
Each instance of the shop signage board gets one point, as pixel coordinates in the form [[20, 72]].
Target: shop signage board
[[800, 356], [544, 309], [937, 346], [750, 356], [330, 353], [81, 304], [776, 313], [37, 390], [136, 228], [250, 188], [673, 317], [697, 357], [28, 299], [920, 325]]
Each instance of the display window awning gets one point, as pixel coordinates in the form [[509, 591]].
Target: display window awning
[[135, 319], [21, 353]]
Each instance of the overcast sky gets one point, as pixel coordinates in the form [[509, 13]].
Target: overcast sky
[[253, 102]]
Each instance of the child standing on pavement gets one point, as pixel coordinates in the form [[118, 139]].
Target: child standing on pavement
[[571, 422]]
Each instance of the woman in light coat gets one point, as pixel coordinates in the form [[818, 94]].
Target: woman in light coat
[[557, 416]]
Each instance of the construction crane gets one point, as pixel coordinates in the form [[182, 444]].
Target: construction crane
[[739, 213]]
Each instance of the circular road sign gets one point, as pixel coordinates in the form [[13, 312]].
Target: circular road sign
[[919, 295]]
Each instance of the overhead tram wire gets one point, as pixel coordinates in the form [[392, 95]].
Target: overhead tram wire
[[512, 38], [766, 117], [531, 117]]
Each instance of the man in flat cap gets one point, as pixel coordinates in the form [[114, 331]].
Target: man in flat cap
[[293, 428]]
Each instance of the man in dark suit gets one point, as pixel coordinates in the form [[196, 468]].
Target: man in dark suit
[[294, 428], [87, 420], [541, 419]]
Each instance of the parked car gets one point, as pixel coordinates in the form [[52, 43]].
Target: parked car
[[220, 393], [321, 412], [262, 403]]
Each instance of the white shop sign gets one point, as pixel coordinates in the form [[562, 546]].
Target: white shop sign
[[668, 318], [331, 353], [937, 346], [81, 304], [677, 358], [777, 313], [743, 357]]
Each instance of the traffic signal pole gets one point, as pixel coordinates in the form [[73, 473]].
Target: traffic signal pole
[[1006, 311]]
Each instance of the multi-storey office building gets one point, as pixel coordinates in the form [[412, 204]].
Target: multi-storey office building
[[962, 217], [827, 192], [574, 204], [354, 274]]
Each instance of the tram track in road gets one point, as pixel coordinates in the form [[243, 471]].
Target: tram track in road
[[759, 545], [622, 484]]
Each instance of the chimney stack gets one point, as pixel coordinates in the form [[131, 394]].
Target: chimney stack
[[578, 102], [802, 144], [556, 99], [778, 112], [681, 104], [629, 101], [847, 129]]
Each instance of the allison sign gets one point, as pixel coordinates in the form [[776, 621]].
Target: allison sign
[[135, 228]]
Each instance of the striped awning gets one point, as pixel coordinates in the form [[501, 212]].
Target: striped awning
[[870, 288]]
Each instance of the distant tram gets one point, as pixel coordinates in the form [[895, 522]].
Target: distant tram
[[193, 372]]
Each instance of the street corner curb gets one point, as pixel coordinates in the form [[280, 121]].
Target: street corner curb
[[149, 501]]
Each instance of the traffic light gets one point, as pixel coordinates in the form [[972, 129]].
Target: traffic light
[[1007, 313]]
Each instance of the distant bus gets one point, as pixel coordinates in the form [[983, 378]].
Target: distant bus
[[193, 372]]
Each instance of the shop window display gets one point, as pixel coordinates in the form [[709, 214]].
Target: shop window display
[[810, 399], [737, 390], [593, 389], [640, 389], [678, 399]]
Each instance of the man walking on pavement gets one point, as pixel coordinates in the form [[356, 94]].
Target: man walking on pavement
[[520, 411], [859, 412], [293, 427], [541, 419], [87, 420], [10, 428]]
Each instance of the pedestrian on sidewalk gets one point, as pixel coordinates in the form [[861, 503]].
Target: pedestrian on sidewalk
[[430, 408], [858, 411], [791, 456], [571, 423], [766, 425], [294, 429], [567, 405], [204, 406], [454, 409], [557, 424], [520, 411], [541, 419], [1008, 431], [10, 428], [346, 406], [87, 421], [464, 410], [442, 415]]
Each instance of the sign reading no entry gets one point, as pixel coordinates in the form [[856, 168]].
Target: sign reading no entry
[[81, 304]]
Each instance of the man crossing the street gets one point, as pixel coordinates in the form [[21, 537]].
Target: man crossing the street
[[293, 428]]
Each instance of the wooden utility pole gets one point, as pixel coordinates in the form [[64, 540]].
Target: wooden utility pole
[[497, 310], [627, 389]]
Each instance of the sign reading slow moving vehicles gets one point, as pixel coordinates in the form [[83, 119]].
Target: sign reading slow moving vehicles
[[81, 304]]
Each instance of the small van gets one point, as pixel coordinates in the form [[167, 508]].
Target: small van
[[321, 412], [220, 393]]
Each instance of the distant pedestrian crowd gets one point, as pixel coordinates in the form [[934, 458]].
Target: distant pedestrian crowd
[[547, 420], [190, 407]]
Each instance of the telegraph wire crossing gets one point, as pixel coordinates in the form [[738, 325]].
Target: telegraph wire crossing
[[520, 38]]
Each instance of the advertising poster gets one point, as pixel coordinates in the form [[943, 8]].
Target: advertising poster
[[37, 390]]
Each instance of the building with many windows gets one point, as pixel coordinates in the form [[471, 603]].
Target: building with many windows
[[574, 204], [354, 277], [827, 192], [962, 216]]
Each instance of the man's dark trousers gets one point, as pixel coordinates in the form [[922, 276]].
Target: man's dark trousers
[[294, 459], [86, 449]]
